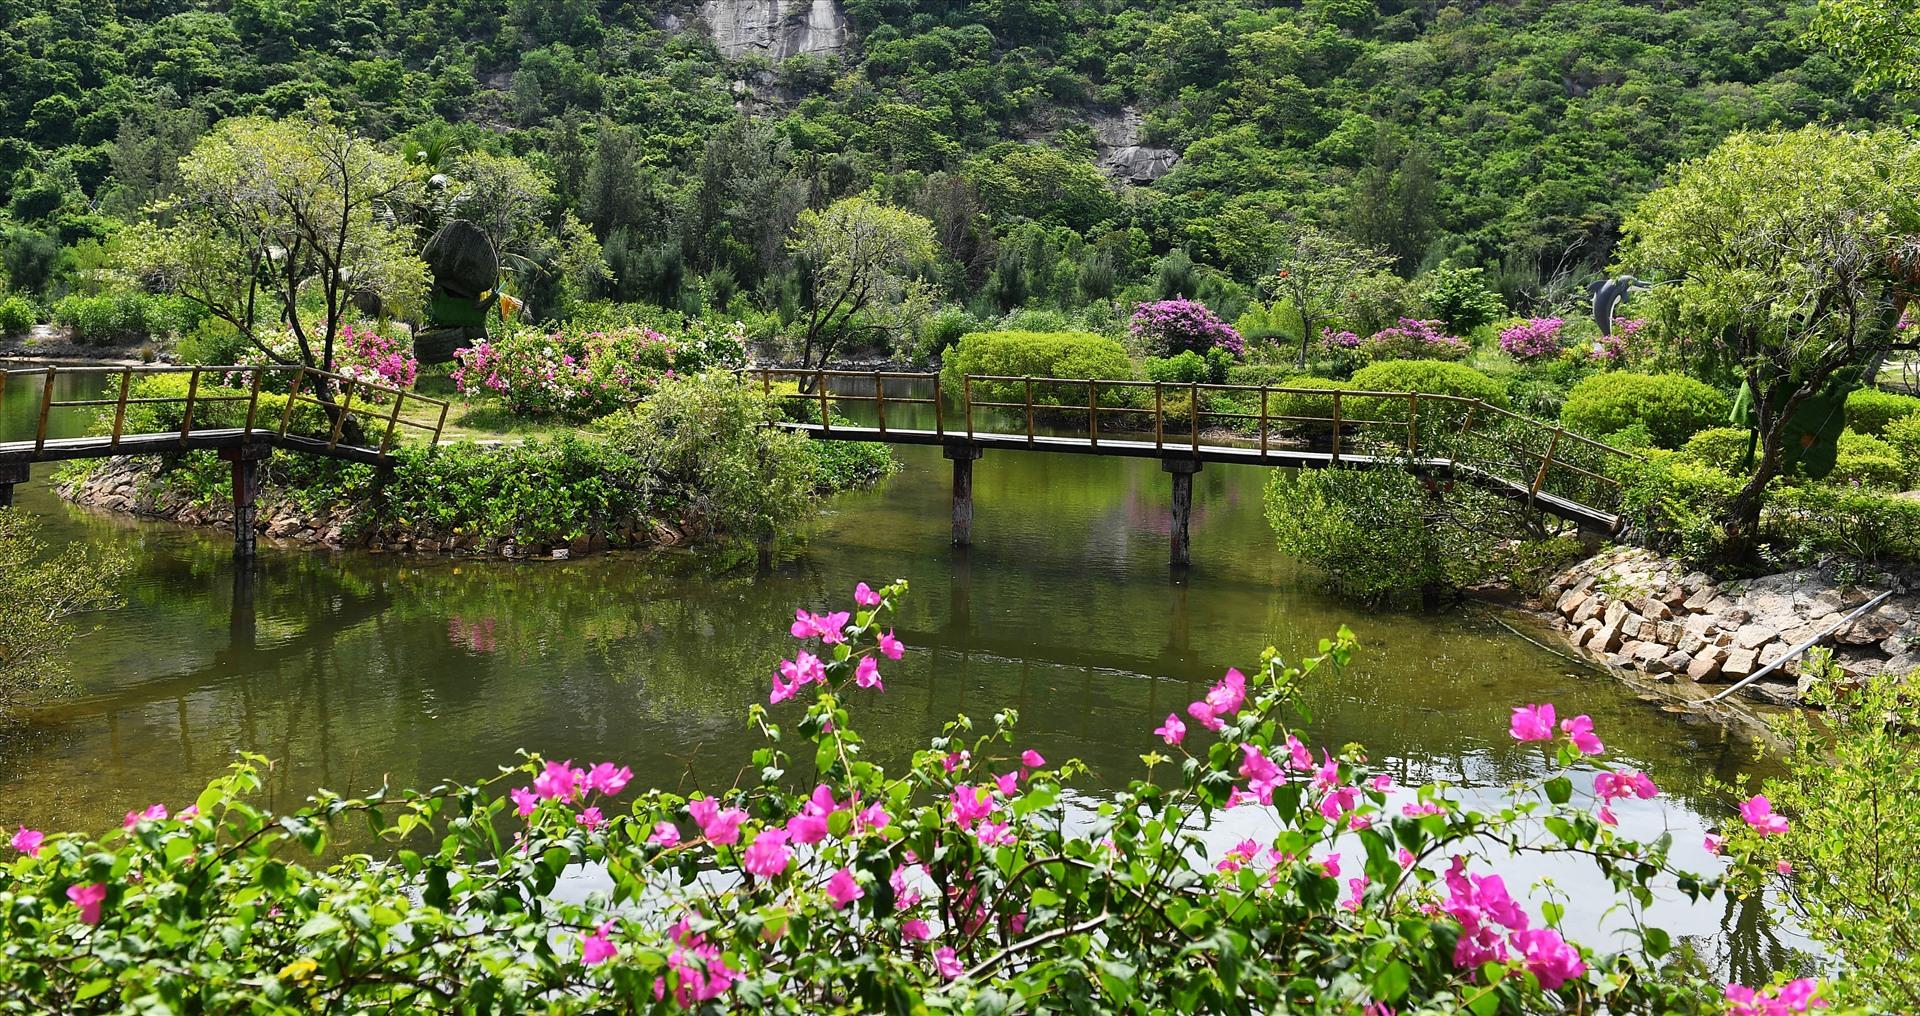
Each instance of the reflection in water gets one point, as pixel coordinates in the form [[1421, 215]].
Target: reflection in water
[[353, 670]]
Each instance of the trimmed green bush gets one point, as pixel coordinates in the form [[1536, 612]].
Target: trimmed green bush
[[1431, 377], [1903, 436], [17, 315], [1870, 410], [1677, 503], [1189, 366], [1822, 518], [1040, 354], [1880, 471], [1673, 407], [1723, 448]]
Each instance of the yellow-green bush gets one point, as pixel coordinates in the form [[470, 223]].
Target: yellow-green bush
[[1870, 410], [1720, 447], [1672, 407], [1079, 355]]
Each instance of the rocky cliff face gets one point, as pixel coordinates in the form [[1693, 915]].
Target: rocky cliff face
[[776, 29], [1121, 152]]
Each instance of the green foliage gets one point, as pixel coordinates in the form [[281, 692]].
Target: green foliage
[[1459, 297], [17, 315], [1368, 532], [1903, 436], [43, 590], [1190, 366], [702, 450], [1432, 377], [847, 465], [536, 492], [1851, 791], [1672, 407], [1678, 504], [122, 316], [1878, 39], [1870, 410], [1037, 354], [1823, 519], [1723, 448]]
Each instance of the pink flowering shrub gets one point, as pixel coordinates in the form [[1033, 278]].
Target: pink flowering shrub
[[365, 355], [1413, 339], [1614, 349], [584, 375], [822, 881], [1533, 339], [1171, 327]]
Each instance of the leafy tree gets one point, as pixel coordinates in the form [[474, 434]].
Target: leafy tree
[[272, 214], [1460, 297], [857, 252], [1316, 272], [1783, 259], [1880, 39]]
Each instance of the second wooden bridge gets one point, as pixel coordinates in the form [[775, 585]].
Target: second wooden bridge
[[1442, 438]]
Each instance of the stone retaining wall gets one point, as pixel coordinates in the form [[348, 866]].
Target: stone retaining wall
[[1632, 609]]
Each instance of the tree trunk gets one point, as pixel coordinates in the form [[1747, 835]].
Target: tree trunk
[[1742, 519]]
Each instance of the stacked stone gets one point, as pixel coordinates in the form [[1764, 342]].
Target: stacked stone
[[1633, 609]]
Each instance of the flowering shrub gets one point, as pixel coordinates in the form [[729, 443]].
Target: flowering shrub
[[1169, 327], [1533, 339], [827, 883], [582, 375], [366, 355], [1614, 349], [1413, 339]]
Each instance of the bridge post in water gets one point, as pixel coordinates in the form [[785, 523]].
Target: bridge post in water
[[962, 455], [246, 461], [10, 474], [1182, 469]]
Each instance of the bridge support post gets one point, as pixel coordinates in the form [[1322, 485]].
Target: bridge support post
[[246, 461], [1182, 470], [10, 474], [963, 456]]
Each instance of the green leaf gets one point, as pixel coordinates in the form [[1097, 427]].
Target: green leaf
[[1559, 790], [1392, 981], [96, 987], [318, 925]]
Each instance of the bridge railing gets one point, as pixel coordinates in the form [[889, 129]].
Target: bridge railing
[[272, 400], [1337, 423]]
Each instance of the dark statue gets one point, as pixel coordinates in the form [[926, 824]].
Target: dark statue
[[466, 281], [1608, 295]]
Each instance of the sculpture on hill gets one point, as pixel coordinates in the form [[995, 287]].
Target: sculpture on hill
[[466, 281]]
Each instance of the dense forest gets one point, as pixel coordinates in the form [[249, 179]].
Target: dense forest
[[1508, 135]]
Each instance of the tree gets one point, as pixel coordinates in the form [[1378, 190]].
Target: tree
[[42, 593], [1316, 271], [1786, 258], [857, 252], [1879, 39], [276, 215]]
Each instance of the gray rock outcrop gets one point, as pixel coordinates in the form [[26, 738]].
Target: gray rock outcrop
[[1122, 154], [776, 29]]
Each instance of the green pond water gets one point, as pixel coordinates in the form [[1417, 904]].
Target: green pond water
[[353, 669]]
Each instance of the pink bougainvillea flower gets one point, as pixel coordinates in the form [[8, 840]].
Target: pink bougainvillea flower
[[1238, 857], [843, 889], [596, 947], [1549, 957], [946, 962], [28, 841], [1632, 783], [768, 855], [1713, 843], [1415, 809], [1800, 995], [891, 647], [811, 825], [1008, 783], [189, 813], [1579, 730], [559, 781], [1327, 776], [874, 816], [1783, 867], [1381, 783], [970, 805], [1358, 889], [1227, 696], [1260, 772], [1173, 730], [89, 898], [915, 930], [1297, 754], [591, 819], [866, 674], [1338, 802], [833, 627], [152, 813], [1532, 723], [1757, 811], [864, 595], [1404, 856], [1032, 759], [665, 834], [994, 834], [721, 827], [1330, 865], [605, 778], [1606, 815], [1203, 715]]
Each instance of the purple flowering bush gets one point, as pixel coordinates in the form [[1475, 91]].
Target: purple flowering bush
[[1171, 327], [1533, 339], [1414, 339], [582, 375], [971, 878]]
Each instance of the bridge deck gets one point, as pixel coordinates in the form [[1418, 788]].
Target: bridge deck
[[61, 449], [1292, 458]]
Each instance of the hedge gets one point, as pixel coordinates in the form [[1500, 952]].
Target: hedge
[[1870, 410], [1672, 407]]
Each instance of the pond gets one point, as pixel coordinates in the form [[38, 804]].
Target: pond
[[351, 669]]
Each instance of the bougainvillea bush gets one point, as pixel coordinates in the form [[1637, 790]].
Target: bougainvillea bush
[[581, 375], [1533, 339], [825, 882], [1414, 339], [1171, 327]]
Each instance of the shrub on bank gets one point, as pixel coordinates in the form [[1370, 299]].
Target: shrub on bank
[[1822, 519], [18, 315], [1043, 355], [1431, 377], [1676, 504], [1870, 410], [962, 882], [1723, 448], [123, 316], [579, 375], [1673, 407]]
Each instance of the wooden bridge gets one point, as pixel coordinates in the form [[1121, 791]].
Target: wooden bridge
[[1442, 438], [242, 412]]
